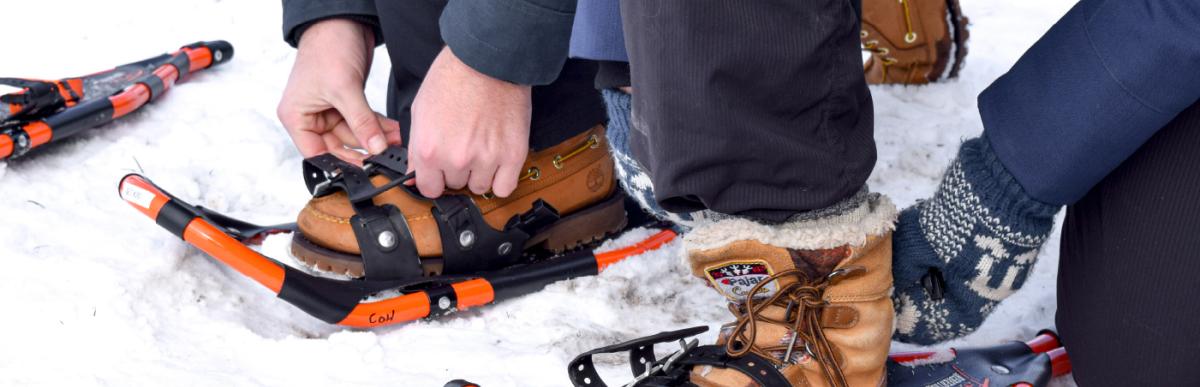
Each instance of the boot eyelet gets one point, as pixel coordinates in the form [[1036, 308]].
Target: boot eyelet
[[533, 173], [910, 37], [862, 34], [594, 140], [558, 162]]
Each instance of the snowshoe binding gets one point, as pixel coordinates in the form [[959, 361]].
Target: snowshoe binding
[[366, 223], [486, 267], [1014, 364]]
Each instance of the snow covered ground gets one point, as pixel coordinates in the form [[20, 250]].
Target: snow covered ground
[[93, 293]]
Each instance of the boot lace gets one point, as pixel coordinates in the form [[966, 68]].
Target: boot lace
[[803, 301]]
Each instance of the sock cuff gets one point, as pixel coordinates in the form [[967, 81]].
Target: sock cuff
[[871, 217], [998, 189]]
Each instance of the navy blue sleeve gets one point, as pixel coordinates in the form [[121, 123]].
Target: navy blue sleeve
[[520, 41], [597, 33], [299, 14], [1091, 91]]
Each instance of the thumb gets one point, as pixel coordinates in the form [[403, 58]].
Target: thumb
[[362, 120]]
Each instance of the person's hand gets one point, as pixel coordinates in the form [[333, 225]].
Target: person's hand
[[323, 107], [468, 130]]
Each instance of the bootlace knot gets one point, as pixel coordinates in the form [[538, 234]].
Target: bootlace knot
[[802, 302]]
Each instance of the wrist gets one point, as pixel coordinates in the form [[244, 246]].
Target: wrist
[[453, 62], [339, 31]]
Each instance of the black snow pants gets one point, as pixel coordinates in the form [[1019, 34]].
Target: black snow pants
[[1129, 275], [755, 108], [752, 108]]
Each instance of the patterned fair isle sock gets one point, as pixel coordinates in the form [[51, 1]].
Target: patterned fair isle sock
[[633, 178], [981, 231]]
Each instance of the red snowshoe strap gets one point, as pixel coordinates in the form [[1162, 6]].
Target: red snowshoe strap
[[673, 371]]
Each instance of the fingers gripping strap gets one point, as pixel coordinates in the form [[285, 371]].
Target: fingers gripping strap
[[393, 162], [388, 249]]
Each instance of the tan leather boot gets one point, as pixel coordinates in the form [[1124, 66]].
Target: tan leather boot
[[574, 177], [811, 297], [913, 41]]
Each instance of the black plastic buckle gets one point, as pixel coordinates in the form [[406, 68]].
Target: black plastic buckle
[[934, 284], [535, 220]]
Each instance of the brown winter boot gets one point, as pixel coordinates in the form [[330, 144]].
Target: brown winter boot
[[575, 178], [811, 296], [913, 41]]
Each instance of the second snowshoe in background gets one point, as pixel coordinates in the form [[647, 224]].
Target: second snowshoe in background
[[42, 111]]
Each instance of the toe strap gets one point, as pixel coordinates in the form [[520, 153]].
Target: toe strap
[[386, 242]]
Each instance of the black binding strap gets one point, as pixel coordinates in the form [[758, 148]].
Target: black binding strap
[[469, 243], [382, 232], [154, 83], [182, 63], [673, 371], [388, 249], [324, 174], [582, 370]]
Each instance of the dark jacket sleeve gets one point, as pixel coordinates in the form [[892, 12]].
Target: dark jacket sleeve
[[1091, 91], [520, 41], [298, 15]]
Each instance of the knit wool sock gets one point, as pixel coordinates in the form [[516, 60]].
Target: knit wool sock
[[632, 177], [981, 231]]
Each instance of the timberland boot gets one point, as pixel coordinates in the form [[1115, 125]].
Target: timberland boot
[[574, 178], [913, 41], [809, 296]]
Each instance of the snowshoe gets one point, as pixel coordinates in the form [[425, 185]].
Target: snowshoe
[[365, 223], [44, 111], [376, 302], [1022, 364]]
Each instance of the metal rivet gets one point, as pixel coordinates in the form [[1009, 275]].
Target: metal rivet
[[218, 55], [387, 239], [1001, 369], [22, 141], [466, 238], [444, 303], [504, 248]]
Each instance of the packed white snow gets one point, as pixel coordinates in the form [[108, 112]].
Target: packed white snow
[[94, 293]]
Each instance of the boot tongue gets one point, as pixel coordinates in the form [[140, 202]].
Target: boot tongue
[[819, 263]]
